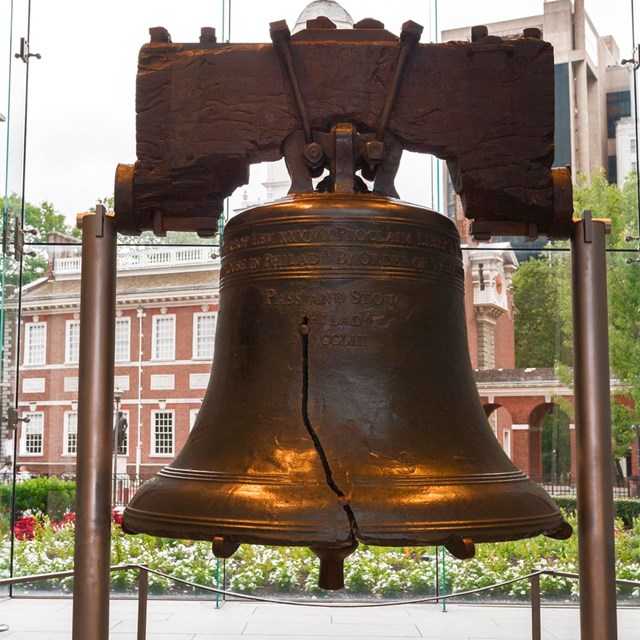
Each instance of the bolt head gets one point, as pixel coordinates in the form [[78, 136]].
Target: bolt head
[[313, 154], [374, 151]]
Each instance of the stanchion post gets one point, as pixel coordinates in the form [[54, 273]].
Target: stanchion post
[[593, 430], [95, 423], [143, 593], [536, 629]]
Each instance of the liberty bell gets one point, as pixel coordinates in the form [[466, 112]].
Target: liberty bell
[[342, 406]]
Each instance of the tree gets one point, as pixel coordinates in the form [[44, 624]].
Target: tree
[[539, 286], [43, 219], [543, 300]]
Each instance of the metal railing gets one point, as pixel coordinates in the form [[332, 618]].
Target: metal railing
[[143, 593], [624, 488]]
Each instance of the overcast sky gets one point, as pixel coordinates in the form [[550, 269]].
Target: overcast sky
[[81, 93]]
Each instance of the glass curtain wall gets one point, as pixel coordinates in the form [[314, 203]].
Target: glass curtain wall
[[68, 101]]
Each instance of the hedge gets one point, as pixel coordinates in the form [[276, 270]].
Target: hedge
[[627, 509], [50, 496]]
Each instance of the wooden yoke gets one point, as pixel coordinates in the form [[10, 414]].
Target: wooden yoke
[[206, 111]]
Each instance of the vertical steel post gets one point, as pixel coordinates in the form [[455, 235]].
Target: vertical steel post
[[536, 629], [95, 424], [444, 578], [593, 430], [143, 597]]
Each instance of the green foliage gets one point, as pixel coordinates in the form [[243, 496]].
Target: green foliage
[[50, 496], [543, 300], [627, 510], [43, 219], [542, 334], [370, 571]]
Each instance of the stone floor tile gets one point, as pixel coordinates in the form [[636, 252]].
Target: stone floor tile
[[311, 630]]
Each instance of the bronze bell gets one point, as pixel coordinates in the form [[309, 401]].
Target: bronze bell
[[342, 405]]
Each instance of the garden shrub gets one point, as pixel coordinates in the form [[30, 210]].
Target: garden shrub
[[627, 509], [49, 496]]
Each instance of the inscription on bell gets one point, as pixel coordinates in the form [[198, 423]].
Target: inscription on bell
[[404, 260], [341, 235], [321, 298]]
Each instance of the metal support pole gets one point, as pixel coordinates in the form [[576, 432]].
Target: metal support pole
[[143, 591], [437, 577], [593, 430], [536, 629], [444, 578], [95, 424]]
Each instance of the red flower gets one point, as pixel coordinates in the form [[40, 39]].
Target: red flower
[[116, 516], [68, 517], [24, 528]]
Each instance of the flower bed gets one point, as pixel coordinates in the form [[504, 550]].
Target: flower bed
[[43, 545]]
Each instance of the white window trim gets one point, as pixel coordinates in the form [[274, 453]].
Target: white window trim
[[27, 344], [65, 435], [23, 436], [67, 341], [152, 447], [123, 321], [193, 414], [194, 342], [506, 441], [156, 317]]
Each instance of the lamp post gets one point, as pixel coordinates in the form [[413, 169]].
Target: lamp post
[[117, 395]]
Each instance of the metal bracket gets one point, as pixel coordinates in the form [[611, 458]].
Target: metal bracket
[[376, 155], [12, 419], [298, 168], [343, 165], [18, 240], [312, 152], [24, 54], [634, 59], [374, 150]]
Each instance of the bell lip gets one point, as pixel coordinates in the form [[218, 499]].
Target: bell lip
[[488, 507], [321, 536]]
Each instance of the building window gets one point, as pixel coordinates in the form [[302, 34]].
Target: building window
[[164, 338], [70, 445], [33, 434], [72, 342], [612, 174], [162, 436], [35, 347], [618, 106], [123, 340], [204, 329], [632, 145]]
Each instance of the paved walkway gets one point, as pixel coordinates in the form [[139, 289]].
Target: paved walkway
[[50, 619]]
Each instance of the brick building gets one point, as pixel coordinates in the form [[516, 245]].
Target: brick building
[[167, 301]]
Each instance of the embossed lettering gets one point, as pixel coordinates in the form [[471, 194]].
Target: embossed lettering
[[274, 297], [339, 340], [362, 297]]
